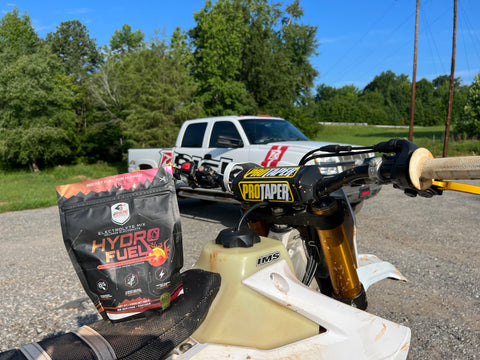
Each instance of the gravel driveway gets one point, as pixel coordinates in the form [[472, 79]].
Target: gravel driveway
[[433, 242]]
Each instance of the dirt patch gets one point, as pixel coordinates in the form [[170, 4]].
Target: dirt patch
[[81, 177]]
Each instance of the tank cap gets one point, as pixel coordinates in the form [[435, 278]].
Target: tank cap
[[232, 238]]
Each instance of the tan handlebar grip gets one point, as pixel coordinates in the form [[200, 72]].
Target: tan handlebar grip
[[424, 168]]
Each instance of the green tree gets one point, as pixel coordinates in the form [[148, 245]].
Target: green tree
[[301, 117], [106, 90], [101, 136], [444, 80], [371, 109], [148, 94], [324, 92], [441, 88], [396, 90], [80, 57], [276, 66], [125, 40], [349, 104], [262, 71], [218, 40], [181, 48], [251, 56], [37, 121], [79, 53], [160, 97], [342, 107], [469, 123], [17, 36], [300, 45], [426, 109]]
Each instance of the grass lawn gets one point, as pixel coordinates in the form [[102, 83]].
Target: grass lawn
[[428, 137], [26, 190]]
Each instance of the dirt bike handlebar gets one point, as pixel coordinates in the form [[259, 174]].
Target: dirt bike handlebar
[[424, 168], [407, 167]]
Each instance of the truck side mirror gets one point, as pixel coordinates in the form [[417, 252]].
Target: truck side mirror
[[229, 142]]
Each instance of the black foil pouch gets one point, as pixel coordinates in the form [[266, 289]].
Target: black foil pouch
[[124, 238]]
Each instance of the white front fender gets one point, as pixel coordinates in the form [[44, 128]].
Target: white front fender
[[349, 333], [371, 269]]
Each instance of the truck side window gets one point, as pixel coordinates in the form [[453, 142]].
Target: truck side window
[[193, 136], [226, 129]]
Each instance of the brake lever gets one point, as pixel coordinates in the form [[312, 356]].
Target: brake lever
[[428, 193]]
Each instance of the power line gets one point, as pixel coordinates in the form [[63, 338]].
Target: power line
[[474, 40], [383, 59], [464, 43], [357, 43], [379, 57], [431, 39]]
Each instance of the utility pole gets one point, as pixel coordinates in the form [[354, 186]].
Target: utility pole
[[414, 76], [452, 81]]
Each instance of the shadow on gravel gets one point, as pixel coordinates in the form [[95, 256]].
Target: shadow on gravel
[[87, 319], [77, 304], [226, 214]]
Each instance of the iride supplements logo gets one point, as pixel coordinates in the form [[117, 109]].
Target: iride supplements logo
[[120, 213]]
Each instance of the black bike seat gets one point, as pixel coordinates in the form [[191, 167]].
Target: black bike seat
[[152, 337]]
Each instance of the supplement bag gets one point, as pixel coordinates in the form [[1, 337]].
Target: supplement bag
[[124, 238]]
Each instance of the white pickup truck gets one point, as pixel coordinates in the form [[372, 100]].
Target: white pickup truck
[[267, 141]]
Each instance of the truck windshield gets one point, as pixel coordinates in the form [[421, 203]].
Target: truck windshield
[[263, 131]]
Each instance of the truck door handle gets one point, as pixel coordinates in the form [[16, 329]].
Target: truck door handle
[[208, 157]]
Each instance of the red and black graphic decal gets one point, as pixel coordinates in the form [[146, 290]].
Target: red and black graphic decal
[[274, 155]]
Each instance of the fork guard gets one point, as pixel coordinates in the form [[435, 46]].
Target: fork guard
[[372, 269]]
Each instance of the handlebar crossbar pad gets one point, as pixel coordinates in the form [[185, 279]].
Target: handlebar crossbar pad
[[152, 337], [287, 185]]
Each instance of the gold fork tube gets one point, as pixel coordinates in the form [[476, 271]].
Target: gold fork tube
[[260, 227], [338, 256]]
